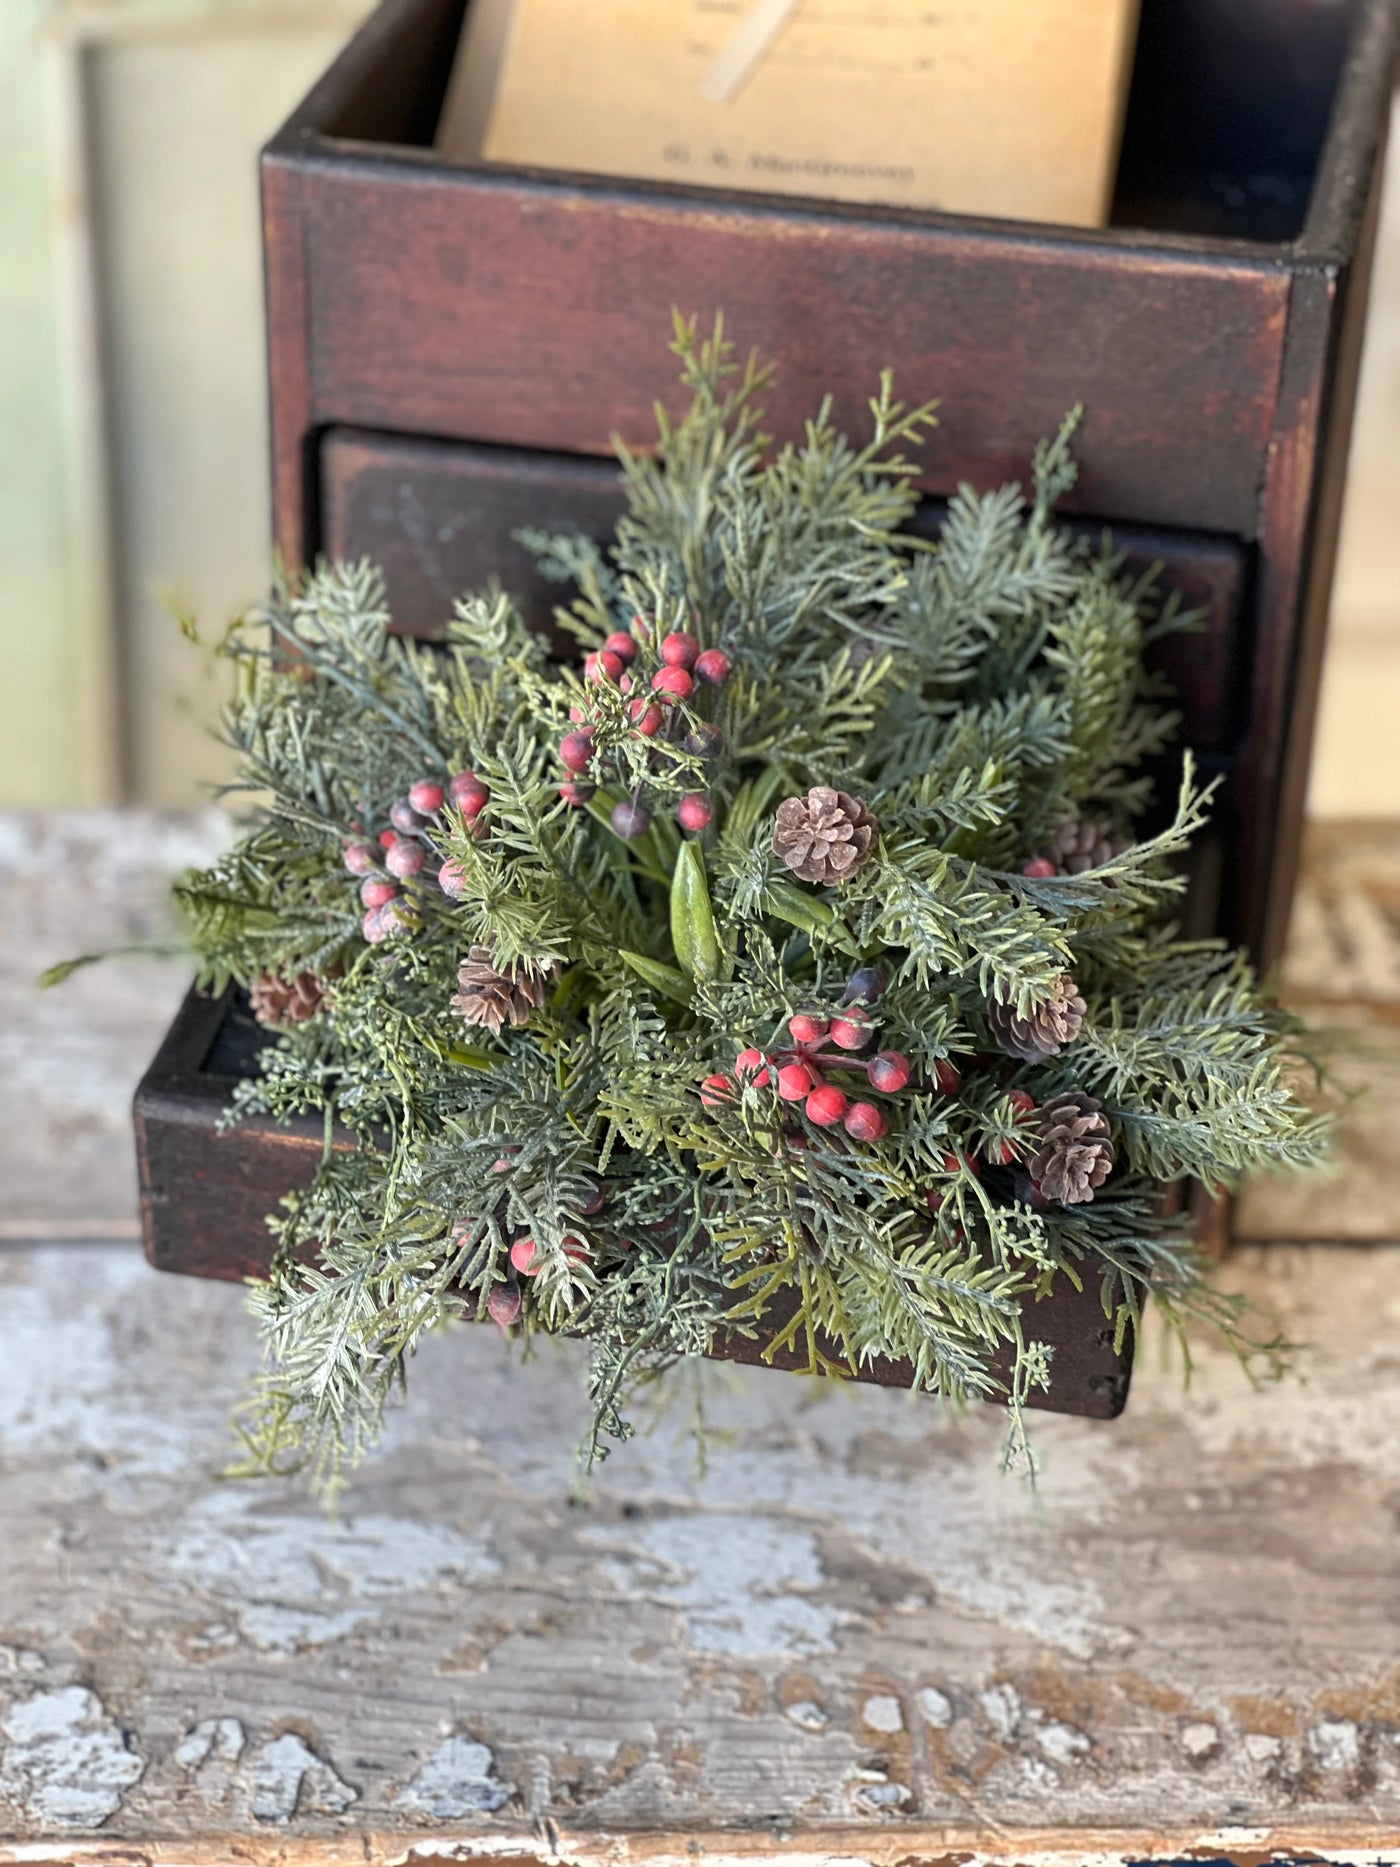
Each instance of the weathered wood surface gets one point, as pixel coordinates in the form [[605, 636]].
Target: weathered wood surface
[[848, 1638]]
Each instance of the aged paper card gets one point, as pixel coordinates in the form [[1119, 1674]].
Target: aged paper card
[[1003, 107]]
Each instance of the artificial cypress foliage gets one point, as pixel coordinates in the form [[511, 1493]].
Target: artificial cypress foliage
[[641, 1067]]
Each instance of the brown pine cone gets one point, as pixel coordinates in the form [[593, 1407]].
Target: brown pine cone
[[1045, 1032], [824, 837], [1075, 1154], [490, 998], [276, 1003], [1078, 847]]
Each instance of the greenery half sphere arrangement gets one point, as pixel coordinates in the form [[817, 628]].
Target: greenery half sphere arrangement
[[794, 960]]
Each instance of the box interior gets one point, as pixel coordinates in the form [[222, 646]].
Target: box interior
[[1227, 112]]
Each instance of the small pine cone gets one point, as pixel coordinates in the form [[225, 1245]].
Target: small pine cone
[[824, 837], [276, 1003], [1078, 847], [1051, 1024], [1075, 1154], [491, 998]]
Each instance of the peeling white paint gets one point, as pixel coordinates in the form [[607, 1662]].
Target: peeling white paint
[[1002, 1704], [883, 1712], [1262, 1749], [1064, 1744], [290, 1779], [293, 1582], [742, 1583], [1200, 1741], [936, 1706], [1336, 1744], [219, 1740], [65, 1762], [458, 1779]]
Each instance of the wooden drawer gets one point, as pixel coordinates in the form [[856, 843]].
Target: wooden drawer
[[206, 1194], [439, 518]]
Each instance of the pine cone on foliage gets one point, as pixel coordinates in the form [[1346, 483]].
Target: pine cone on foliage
[[276, 1002], [1049, 1026], [824, 837], [490, 997], [1075, 1154], [1082, 845]]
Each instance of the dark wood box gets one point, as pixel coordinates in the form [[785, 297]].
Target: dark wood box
[[453, 347]]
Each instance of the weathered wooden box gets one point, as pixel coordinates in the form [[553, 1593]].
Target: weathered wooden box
[[453, 347]]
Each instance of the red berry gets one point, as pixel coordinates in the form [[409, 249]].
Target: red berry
[[630, 820], [576, 793], [712, 667], [505, 1160], [605, 666], [575, 1248], [404, 859], [621, 644], [458, 781], [934, 1198], [387, 838], [576, 750], [503, 1305], [806, 1028], [695, 812], [679, 650], [647, 718], [852, 1032], [471, 799], [592, 1202], [957, 1163], [673, 681], [375, 893], [826, 1106], [1040, 868], [753, 1064], [426, 797], [577, 715], [452, 880], [795, 1082], [522, 1255], [715, 1091], [372, 926], [864, 1122], [946, 1079], [1020, 1101], [360, 858], [888, 1072]]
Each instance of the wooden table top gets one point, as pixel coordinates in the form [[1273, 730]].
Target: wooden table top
[[847, 1638]]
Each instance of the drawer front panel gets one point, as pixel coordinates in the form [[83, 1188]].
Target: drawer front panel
[[439, 517], [535, 315]]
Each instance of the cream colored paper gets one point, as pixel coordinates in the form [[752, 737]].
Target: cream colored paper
[[1002, 107]]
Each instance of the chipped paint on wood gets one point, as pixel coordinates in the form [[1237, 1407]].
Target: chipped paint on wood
[[849, 1636]]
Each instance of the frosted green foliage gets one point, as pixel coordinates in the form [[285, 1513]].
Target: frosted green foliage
[[976, 695]]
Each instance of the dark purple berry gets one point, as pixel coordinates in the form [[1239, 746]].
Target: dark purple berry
[[404, 817], [704, 741], [631, 820], [867, 982]]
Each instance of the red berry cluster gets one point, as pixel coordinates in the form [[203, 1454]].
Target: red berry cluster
[[657, 713], [400, 853], [504, 1304], [818, 1045]]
